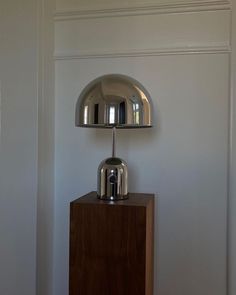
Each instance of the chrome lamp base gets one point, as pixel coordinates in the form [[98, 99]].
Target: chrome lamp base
[[112, 180]]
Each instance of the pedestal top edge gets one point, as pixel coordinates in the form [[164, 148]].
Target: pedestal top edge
[[134, 199]]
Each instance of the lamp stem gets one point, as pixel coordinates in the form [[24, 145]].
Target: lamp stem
[[113, 142]]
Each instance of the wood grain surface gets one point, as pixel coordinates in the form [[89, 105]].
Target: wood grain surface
[[111, 246]]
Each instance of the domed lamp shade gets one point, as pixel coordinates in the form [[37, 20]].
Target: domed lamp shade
[[113, 101]]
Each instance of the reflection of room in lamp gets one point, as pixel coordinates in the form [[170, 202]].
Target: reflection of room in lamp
[[111, 119], [147, 115], [136, 113], [86, 115]]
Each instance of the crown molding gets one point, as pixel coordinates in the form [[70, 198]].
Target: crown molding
[[148, 9], [216, 49]]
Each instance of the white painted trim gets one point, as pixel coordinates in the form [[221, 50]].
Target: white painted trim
[[45, 198], [232, 164], [148, 9], [215, 49]]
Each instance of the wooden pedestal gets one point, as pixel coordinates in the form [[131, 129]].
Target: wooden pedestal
[[111, 246]]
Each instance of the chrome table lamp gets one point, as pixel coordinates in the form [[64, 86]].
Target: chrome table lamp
[[113, 101]]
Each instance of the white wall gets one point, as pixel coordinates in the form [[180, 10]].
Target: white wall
[[180, 52], [18, 151]]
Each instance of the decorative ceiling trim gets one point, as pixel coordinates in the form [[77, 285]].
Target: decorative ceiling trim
[[145, 52], [161, 8]]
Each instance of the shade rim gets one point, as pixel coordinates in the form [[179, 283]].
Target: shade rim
[[112, 126]]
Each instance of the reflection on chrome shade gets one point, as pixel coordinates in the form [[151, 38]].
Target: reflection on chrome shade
[[113, 100]]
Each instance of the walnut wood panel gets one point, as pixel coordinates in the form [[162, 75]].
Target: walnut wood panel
[[111, 246]]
